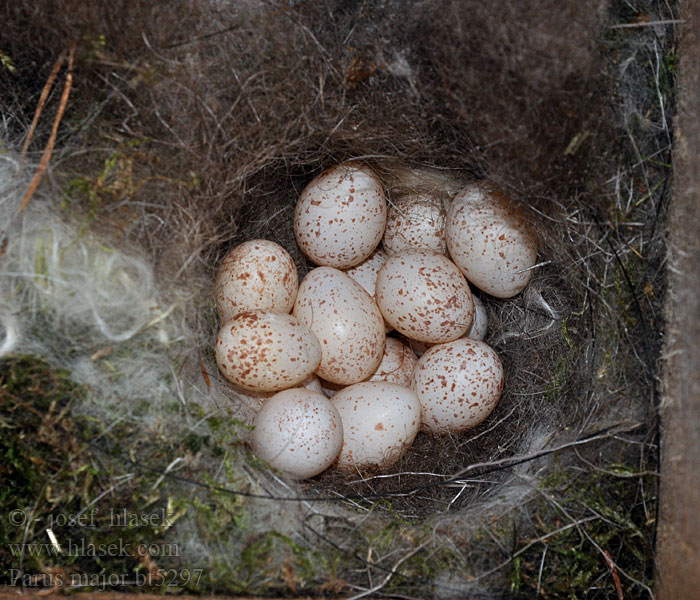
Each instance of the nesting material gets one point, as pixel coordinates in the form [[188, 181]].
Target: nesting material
[[195, 126]]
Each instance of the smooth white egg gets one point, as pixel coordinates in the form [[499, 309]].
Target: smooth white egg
[[397, 364], [340, 217], [415, 222], [490, 240], [425, 296], [380, 422], [458, 385], [299, 432], [480, 324], [266, 352], [346, 321], [258, 274]]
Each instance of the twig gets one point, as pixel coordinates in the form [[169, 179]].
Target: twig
[[42, 101], [648, 24], [44, 163], [539, 574], [389, 575], [613, 571]]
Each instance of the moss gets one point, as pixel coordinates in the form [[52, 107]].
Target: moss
[[55, 479], [39, 438], [602, 517]]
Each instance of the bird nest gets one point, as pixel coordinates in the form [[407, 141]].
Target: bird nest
[[168, 134]]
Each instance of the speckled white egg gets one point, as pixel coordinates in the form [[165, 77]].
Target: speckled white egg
[[480, 324], [415, 222], [425, 296], [380, 422], [366, 275], [397, 364], [490, 240], [299, 432], [366, 272], [346, 321], [266, 352], [340, 216], [458, 385], [258, 274]]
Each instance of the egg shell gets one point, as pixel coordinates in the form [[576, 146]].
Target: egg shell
[[458, 385], [299, 432], [490, 240], [312, 383], [397, 364], [415, 222], [346, 321], [258, 274], [366, 272], [380, 422], [340, 217], [480, 324], [266, 352], [425, 296], [366, 275]]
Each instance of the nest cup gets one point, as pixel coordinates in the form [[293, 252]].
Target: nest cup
[[203, 136]]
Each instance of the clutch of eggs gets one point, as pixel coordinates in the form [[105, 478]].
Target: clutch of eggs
[[440, 377]]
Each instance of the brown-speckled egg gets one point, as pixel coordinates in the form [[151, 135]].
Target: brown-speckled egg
[[380, 422], [366, 272], [458, 385], [340, 216], [266, 352], [299, 432], [346, 321], [257, 274], [425, 296], [415, 222], [490, 240], [397, 364], [366, 275]]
